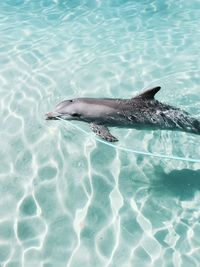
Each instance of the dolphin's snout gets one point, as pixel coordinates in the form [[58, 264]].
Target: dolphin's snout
[[51, 116]]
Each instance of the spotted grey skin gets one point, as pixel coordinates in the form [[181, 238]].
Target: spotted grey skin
[[140, 112]]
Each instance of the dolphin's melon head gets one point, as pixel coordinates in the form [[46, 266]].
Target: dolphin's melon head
[[67, 109]]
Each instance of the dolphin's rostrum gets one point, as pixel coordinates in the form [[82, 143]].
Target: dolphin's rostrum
[[141, 111]]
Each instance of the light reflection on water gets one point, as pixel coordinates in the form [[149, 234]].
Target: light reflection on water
[[67, 200]]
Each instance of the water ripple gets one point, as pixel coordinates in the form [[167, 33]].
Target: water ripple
[[66, 199]]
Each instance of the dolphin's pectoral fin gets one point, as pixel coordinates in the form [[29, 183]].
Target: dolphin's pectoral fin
[[103, 132]]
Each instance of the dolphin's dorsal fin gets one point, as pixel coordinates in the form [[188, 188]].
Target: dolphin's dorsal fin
[[149, 94]]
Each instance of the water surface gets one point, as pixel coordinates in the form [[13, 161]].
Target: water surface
[[66, 199]]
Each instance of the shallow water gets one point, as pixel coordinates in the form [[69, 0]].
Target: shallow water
[[66, 199]]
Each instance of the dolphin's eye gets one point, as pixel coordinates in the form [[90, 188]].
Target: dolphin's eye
[[71, 100], [76, 115]]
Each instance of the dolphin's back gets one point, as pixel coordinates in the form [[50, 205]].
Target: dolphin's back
[[139, 112], [136, 112], [154, 114]]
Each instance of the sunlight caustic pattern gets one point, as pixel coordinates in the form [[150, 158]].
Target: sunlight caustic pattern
[[66, 199]]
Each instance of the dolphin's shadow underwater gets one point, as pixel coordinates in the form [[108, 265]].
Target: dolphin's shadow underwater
[[141, 112], [179, 183]]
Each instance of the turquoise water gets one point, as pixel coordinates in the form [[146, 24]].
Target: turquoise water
[[65, 198]]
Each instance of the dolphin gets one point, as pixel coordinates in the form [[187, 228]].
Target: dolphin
[[142, 111]]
